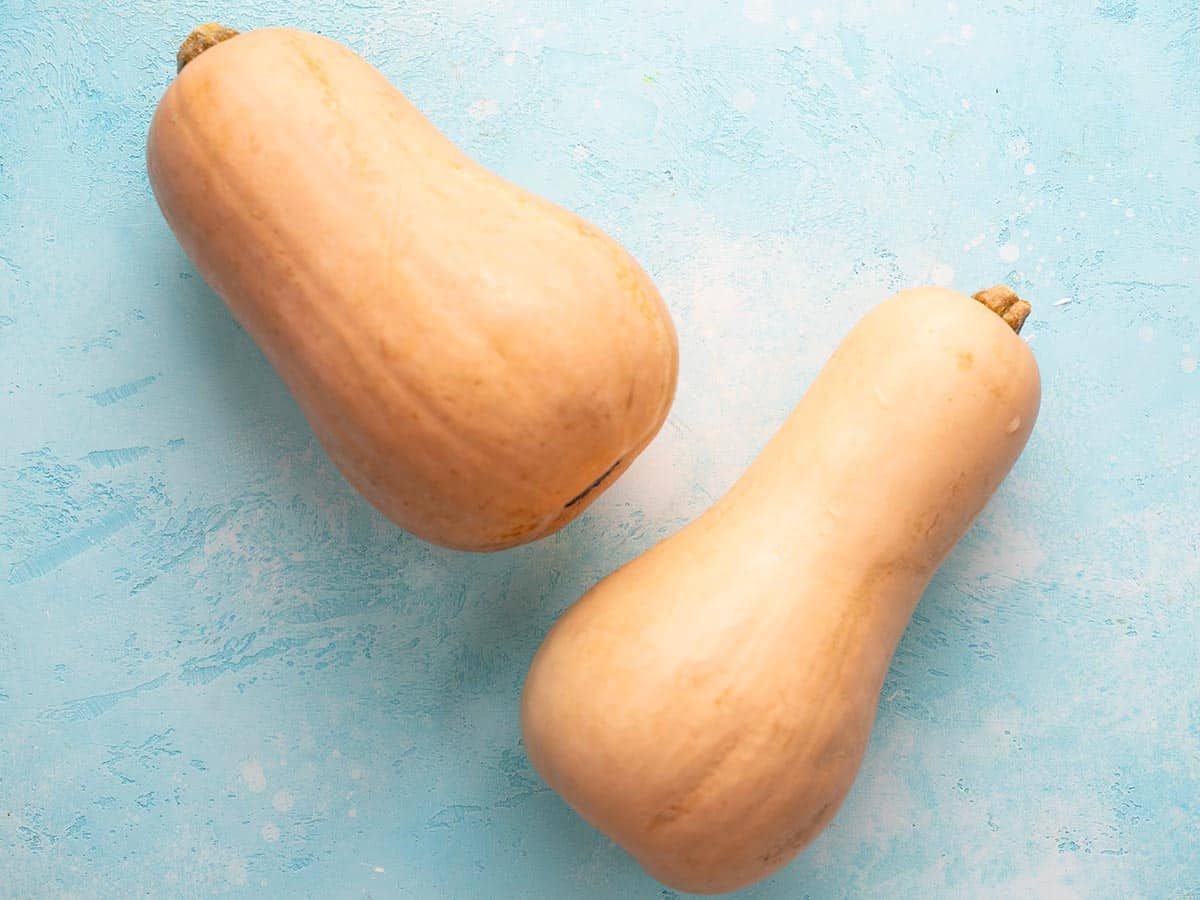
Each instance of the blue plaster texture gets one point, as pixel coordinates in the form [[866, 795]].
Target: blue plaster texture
[[222, 674]]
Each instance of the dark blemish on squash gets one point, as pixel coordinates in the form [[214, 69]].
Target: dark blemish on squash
[[798, 839], [966, 361], [595, 484]]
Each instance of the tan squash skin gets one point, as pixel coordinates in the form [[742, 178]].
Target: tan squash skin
[[480, 363], [707, 706]]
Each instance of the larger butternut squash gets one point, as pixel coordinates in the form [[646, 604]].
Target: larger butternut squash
[[708, 705], [480, 363]]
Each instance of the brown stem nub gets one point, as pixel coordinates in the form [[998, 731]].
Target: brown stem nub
[[1004, 302], [202, 38]]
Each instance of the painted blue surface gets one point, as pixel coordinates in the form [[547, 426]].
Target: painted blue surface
[[222, 674]]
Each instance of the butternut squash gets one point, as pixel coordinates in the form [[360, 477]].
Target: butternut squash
[[480, 363], [708, 705]]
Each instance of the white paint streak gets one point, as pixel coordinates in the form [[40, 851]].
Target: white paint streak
[[483, 109], [744, 100], [235, 872], [942, 275], [758, 11], [283, 801], [253, 776]]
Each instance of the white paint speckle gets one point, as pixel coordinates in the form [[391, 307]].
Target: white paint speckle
[[793, 24], [253, 776], [352, 814], [1146, 333], [356, 773], [1030, 168], [270, 832], [967, 32], [1064, 301], [283, 801], [758, 11], [744, 100], [941, 275], [235, 872], [510, 57], [1188, 364], [965, 103], [483, 108], [1010, 253], [1129, 213], [579, 153], [379, 870], [1019, 147]]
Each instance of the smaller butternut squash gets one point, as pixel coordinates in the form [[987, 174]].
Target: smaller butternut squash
[[708, 705]]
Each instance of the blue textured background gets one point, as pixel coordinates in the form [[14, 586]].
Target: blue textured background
[[221, 673]]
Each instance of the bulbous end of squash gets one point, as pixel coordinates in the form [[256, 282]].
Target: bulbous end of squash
[[1004, 302], [202, 38]]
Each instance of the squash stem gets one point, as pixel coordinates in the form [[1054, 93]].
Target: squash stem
[[1005, 303], [202, 38]]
